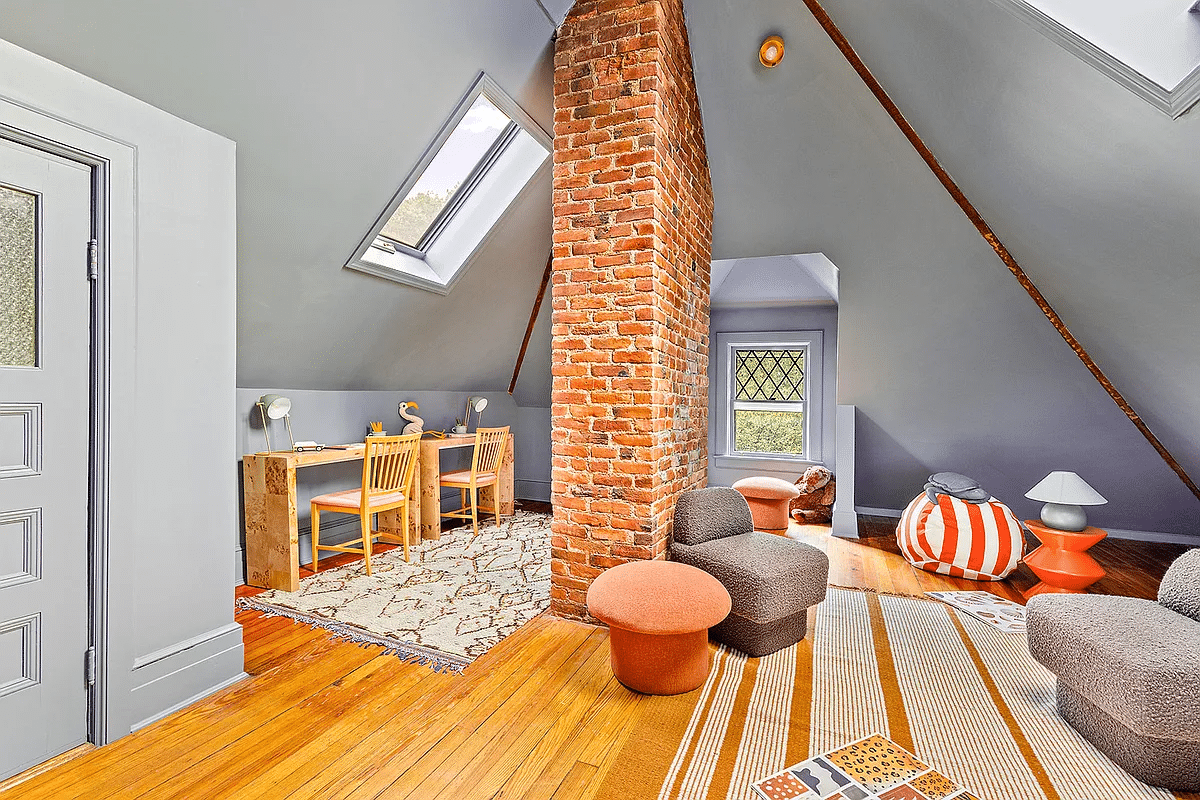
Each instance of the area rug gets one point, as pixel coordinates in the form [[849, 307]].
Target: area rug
[[963, 697], [458, 597]]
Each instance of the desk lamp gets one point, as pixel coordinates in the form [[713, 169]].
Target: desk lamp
[[274, 406], [1065, 494], [478, 404]]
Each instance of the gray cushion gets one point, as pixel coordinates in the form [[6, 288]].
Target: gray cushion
[[952, 482], [1180, 587], [703, 515], [768, 577], [1135, 659]]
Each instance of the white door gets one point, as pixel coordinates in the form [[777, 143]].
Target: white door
[[45, 225]]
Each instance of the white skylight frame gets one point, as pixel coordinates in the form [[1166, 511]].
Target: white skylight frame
[[458, 233]]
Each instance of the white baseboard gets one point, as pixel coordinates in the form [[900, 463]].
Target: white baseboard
[[868, 511]]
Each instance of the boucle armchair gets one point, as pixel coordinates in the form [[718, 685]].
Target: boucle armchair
[[1129, 673], [772, 580]]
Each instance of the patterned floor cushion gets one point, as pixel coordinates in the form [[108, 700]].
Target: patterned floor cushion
[[976, 541]]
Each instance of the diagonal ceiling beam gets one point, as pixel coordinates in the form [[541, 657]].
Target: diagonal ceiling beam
[[533, 315], [910, 133]]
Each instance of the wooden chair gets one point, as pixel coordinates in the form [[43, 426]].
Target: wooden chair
[[389, 465], [485, 471]]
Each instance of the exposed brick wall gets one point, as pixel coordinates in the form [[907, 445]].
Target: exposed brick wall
[[632, 250]]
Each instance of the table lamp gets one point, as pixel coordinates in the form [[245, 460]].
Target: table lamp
[[478, 404], [1065, 494], [274, 406]]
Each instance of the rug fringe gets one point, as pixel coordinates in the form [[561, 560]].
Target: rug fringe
[[410, 653]]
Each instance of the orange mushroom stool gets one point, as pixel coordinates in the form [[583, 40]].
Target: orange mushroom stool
[[768, 499], [658, 615]]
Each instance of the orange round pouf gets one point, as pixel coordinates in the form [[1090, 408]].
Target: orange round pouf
[[658, 614], [768, 499]]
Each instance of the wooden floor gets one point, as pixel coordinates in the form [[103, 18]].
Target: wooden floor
[[537, 717]]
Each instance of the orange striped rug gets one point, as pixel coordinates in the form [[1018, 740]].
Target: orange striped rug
[[957, 693]]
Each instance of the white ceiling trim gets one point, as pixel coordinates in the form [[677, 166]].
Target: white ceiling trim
[[1171, 101]]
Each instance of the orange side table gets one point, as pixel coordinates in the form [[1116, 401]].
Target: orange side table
[[1062, 562]]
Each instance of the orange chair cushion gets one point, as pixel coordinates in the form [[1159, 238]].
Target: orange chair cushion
[[463, 477], [658, 597], [352, 498]]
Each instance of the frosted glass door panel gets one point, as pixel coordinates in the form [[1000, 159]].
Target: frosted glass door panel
[[18, 278]]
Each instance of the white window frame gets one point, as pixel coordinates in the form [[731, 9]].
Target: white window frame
[[462, 228], [812, 342]]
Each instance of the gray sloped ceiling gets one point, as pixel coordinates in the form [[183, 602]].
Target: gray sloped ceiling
[[950, 363], [331, 104]]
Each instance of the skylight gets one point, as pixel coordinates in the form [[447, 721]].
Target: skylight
[[475, 137], [1152, 47], [482, 159]]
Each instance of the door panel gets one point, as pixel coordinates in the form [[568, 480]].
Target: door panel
[[45, 211]]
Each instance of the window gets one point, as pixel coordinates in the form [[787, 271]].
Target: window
[[771, 394], [481, 160]]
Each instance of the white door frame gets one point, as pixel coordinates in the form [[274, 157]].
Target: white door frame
[[99, 425]]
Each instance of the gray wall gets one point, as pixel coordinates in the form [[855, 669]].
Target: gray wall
[[331, 106], [333, 417], [172, 271], [824, 318], [951, 365]]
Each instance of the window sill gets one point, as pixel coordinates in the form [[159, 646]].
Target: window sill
[[765, 463]]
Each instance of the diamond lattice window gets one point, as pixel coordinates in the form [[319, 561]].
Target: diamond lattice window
[[769, 375]]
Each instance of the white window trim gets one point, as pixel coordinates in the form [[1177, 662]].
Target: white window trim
[[726, 344], [461, 235]]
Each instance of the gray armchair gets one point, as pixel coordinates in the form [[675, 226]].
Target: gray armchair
[[771, 579], [1129, 673]]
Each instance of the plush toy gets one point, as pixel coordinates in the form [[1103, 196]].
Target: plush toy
[[415, 423], [817, 490]]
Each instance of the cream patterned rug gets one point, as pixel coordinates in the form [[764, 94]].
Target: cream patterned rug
[[458, 597]]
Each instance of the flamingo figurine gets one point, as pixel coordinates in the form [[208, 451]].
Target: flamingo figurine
[[415, 423]]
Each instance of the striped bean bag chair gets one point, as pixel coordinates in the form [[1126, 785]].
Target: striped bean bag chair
[[979, 542]]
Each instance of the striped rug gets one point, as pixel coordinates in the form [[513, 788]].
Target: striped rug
[[960, 695]]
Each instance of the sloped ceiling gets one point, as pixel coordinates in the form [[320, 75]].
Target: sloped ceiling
[[951, 365], [331, 104]]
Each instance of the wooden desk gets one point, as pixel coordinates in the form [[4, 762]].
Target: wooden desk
[[269, 501], [431, 488]]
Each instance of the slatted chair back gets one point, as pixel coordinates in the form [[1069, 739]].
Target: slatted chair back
[[489, 450], [389, 465]]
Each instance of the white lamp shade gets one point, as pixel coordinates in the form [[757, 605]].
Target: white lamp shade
[[1065, 488], [477, 403], [277, 406]]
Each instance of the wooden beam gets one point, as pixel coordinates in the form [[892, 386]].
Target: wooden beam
[[910, 133], [533, 315]]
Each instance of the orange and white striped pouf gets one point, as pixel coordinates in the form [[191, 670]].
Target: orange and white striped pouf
[[976, 541]]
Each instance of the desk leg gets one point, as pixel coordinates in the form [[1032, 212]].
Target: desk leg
[[431, 492], [272, 538], [505, 487], [389, 524]]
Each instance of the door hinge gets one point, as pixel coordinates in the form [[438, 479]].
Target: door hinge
[[93, 260], [89, 665]]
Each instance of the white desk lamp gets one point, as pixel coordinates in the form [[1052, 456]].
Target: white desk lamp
[[274, 406], [478, 404], [1065, 494]]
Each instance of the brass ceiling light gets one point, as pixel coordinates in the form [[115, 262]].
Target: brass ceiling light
[[771, 52]]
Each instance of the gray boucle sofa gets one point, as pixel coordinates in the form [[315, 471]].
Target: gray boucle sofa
[[771, 579], [1129, 673]]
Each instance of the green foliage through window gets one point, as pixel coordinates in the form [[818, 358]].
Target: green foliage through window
[[777, 432]]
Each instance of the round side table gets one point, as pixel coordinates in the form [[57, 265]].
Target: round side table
[[1062, 562]]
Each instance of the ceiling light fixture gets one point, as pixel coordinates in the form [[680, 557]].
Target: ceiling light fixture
[[771, 52]]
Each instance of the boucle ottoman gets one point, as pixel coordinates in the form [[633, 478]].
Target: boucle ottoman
[[768, 499], [658, 615], [1128, 672]]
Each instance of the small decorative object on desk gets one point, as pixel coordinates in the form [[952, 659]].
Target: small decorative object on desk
[[874, 767], [1003, 615], [459, 427], [415, 423], [377, 429], [308, 447]]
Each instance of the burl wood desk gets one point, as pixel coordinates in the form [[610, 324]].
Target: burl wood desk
[[269, 500]]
